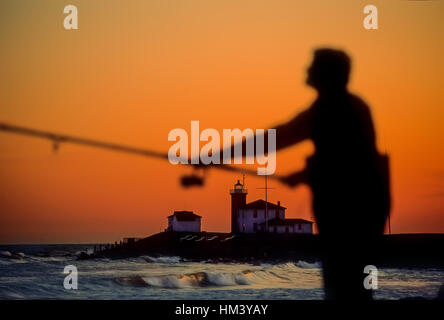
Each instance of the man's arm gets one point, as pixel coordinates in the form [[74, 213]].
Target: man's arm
[[287, 134], [296, 130]]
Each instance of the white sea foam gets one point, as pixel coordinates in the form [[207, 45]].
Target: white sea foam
[[6, 253], [205, 279], [175, 281], [267, 275], [173, 259]]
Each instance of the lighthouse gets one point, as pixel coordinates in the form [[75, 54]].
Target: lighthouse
[[238, 201]]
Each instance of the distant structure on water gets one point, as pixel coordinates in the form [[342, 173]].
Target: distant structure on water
[[262, 216], [258, 216]]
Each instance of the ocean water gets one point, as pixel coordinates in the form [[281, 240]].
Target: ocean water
[[36, 272]]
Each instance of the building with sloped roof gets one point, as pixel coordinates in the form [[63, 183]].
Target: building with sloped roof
[[184, 221], [262, 216]]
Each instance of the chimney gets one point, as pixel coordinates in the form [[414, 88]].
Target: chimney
[[279, 203]]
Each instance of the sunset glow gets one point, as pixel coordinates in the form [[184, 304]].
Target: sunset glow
[[131, 74]]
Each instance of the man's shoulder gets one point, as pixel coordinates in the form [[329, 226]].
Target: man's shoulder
[[357, 100], [358, 103]]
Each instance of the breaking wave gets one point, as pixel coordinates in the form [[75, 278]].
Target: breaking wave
[[283, 274], [163, 259], [198, 279]]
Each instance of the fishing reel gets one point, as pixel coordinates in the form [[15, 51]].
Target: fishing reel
[[194, 179]]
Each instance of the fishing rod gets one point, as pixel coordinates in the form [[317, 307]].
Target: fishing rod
[[57, 138]]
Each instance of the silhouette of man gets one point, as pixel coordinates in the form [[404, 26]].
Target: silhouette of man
[[347, 178], [346, 175]]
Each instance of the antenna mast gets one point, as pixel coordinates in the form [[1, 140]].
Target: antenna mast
[[266, 202]]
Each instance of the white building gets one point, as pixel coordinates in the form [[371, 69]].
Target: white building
[[261, 216], [184, 221], [251, 216]]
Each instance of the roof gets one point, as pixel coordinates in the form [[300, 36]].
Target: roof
[[260, 204], [185, 216], [286, 222]]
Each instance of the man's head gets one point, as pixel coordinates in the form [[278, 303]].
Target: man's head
[[329, 70]]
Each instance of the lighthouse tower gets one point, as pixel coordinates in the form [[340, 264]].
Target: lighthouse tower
[[238, 200]]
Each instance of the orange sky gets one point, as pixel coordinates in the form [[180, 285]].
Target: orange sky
[[136, 70]]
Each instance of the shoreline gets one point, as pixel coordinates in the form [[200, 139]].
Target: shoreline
[[400, 250]]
